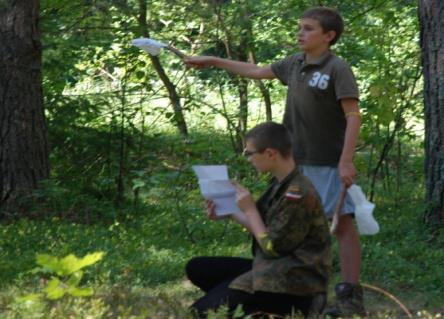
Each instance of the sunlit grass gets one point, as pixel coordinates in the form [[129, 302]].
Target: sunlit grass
[[148, 243]]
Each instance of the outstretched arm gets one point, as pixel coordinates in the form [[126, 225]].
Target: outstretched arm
[[249, 70]]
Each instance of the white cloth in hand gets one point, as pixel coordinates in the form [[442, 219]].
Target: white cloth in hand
[[151, 46], [367, 225]]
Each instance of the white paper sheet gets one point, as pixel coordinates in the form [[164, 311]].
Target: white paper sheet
[[215, 185]]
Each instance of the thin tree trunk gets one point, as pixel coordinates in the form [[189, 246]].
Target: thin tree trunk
[[252, 57], [179, 117], [140, 151], [230, 125], [399, 165], [120, 195], [431, 20], [390, 136], [23, 133], [243, 113], [242, 83], [264, 91]]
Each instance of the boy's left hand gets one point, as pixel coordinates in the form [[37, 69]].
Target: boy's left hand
[[210, 209], [244, 200], [347, 172]]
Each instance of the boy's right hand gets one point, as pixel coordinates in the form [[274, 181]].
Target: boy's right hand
[[199, 62]]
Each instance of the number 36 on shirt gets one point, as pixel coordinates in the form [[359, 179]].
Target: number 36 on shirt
[[319, 80]]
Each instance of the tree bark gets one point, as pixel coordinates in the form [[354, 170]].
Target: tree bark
[[264, 91], [179, 117], [431, 19], [23, 134], [242, 83]]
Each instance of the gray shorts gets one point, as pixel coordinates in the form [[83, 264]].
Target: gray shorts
[[328, 184]]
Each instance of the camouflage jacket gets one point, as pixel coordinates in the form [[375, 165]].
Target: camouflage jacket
[[298, 231]]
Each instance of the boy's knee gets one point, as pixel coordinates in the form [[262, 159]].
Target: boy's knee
[[345, 225], [192, 267]]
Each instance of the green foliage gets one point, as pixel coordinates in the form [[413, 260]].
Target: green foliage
[[3, 4], [66, 274], [103, 96], [62, 277], [121, 181], [69, 265], [34, 307], [148, 244]]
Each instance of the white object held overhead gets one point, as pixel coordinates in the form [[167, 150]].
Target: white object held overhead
[[367, 225], [151, 46], [154, 47]]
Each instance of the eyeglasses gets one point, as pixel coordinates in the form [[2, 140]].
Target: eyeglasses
[[248, 153]]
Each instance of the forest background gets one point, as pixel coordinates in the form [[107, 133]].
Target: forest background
[[124, 129]]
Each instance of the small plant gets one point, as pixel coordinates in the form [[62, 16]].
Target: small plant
[[66, 274]]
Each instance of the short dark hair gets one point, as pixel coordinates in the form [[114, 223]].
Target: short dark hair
[[271, 135], [329, 18]]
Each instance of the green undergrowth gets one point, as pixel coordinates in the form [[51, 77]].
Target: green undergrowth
[[149, 238]]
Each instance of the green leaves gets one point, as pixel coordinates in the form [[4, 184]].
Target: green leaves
[[67, 265], [67, 274], [54, 290]]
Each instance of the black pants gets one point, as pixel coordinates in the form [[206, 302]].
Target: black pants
[[214, 274]]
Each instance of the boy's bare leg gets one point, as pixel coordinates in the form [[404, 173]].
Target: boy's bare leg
[[349, 294], [349, 249]]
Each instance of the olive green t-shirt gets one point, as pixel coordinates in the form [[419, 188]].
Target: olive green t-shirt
[[313, 112]]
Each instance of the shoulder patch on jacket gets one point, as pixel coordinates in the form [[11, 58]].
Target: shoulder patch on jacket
[[293, 193]]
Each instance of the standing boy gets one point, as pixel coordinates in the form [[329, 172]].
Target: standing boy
[[323, 117]]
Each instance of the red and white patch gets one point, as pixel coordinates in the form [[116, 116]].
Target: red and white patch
[[293, 196]]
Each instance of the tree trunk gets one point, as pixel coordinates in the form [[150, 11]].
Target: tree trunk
[[242, 83], [264, 91], [23, 142], [243, 113], [431, 19], [179, 118]]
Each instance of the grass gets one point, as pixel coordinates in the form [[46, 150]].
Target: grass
[[148, 243]]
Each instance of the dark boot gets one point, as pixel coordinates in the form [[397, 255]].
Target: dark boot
[[349, 301]]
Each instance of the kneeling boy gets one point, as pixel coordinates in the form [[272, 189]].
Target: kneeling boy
[[291, 243]]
